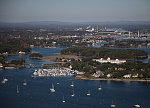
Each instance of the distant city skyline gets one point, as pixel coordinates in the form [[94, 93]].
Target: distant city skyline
[[74, 10]]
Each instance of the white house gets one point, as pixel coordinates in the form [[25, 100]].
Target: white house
[[108, 60], [1, 65], [70, 67], [21, 52], [109, 75], [127, 76], [135, 76], [98, 74]]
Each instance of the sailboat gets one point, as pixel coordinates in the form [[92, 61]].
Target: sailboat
[[17, 89], [4, 80], [113, 105], [99, 88], [24, 83], [72, 85], [73, 93], [52, 89], [63, 100], [88, 94], [137, 106]]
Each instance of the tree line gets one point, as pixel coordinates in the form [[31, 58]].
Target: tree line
[[105, 53]]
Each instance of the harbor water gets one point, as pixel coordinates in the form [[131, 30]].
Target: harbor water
[[37, 94]]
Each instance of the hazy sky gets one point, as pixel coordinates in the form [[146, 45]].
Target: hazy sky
[[74, 10]]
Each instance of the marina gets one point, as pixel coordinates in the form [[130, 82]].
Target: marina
[[54, 72]]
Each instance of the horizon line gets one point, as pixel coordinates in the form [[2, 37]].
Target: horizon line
[[75, 21]]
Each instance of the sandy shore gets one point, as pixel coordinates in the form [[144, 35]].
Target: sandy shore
[[60, 56], [81, 77]]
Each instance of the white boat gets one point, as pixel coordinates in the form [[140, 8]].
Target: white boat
[[137, 106], [113, 105], [88, 94], [72, 85], [24, 83], [4, 80], [100, 88], [52, 89], [17, 89], [73, 93], [35, 73], [9, 67], [63, 100]]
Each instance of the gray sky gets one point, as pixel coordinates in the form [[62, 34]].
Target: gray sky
[[74, 10]]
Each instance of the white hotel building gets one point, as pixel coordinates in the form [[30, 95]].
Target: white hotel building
[[108, 60]]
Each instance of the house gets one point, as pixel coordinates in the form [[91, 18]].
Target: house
[[135, 76], [98, 74], [1, 65], [120, 69], [127, 76], [5, 53], [109, 75], [70, 67], [21, 52], [108, 60]]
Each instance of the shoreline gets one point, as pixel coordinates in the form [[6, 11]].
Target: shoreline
[[112, 79]]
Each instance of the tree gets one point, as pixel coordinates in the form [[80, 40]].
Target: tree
[[141, 76]]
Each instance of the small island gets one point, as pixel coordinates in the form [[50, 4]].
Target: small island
[[35, 56], [5, 64]]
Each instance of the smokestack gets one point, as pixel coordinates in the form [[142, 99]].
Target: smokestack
[[138, 34], [97, 28]]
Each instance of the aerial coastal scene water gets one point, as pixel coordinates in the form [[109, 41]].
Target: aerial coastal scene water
[[36, 93], [74, 54]]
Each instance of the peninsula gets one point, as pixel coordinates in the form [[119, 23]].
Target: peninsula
[[101, 63]]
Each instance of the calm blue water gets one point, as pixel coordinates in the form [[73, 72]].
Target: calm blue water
[[37, 94]]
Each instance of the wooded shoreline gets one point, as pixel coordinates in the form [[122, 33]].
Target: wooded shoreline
[[81, 77]]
